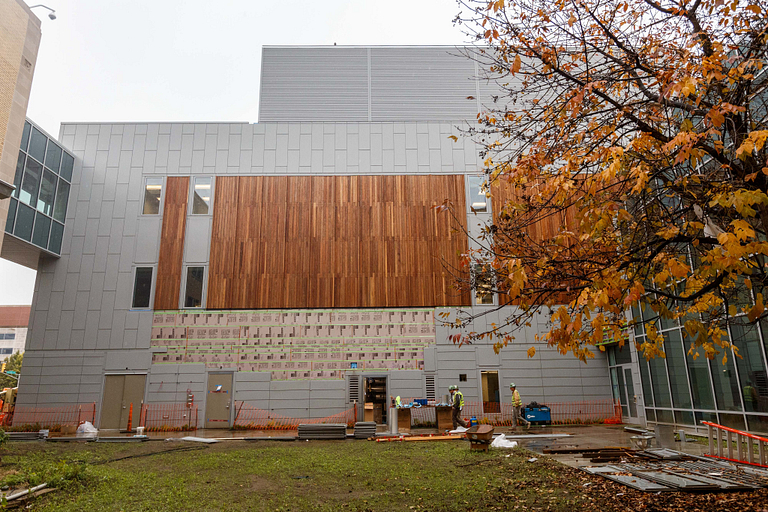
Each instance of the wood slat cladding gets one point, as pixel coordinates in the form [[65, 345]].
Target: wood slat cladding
[[170, 263], [335, 241]]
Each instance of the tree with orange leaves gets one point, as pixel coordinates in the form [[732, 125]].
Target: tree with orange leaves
[[638, 128]]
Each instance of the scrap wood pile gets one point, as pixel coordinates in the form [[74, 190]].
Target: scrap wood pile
[[663, 470]]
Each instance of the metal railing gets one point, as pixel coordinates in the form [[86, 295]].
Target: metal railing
[[744, 454]]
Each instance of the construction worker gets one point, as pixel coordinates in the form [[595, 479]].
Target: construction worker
[[517, 406], [750, 397], [457, 399]]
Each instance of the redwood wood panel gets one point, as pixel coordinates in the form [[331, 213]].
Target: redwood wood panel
[[170, 262], [335, 241]]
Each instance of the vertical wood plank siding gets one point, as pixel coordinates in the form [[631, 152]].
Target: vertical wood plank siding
[[169, 266], [335, 241]]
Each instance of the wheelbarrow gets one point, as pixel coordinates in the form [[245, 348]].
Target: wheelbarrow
[[480, 437]]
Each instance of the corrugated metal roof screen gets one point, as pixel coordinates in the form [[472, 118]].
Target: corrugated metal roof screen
[[366, 84]]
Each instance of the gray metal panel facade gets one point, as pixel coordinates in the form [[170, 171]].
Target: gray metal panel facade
[[82, 324]]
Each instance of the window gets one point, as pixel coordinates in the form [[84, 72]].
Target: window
[[482, 283], [152, 193], [37, 145], [47, 192], [53, 157], [62, 196], [462, 377], [6, 351], [478, 202], [201, 196], [193, 294], [142, 287], [8, 336], [31, 183]]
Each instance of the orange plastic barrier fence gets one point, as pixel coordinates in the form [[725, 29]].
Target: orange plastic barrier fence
[[249, 417], [51, 418], [168, 417], [562, 413]]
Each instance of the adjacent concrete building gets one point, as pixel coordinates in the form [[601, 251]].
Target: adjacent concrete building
[[13, 329]]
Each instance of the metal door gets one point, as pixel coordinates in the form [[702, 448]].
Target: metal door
[[218, 400], [120, 391], [111, 409]]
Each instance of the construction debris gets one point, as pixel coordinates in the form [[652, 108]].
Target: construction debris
[[663, 470], [365, 429], [323, 431]]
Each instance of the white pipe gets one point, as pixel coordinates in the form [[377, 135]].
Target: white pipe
[[25, 492]]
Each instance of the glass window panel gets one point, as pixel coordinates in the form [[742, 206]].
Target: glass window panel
[[705, 416], [62, 196], [10, 220], [701, 386], [25, 135], [31, 183], [19, 173], [42, 227], [57, 235], [142, 287], [53, 157], [659, 382], [611, 356], [725, 383], [47, 192], [645, 380], [664, 416], [650, 415], [25, 218], [637, 319], [754, 382], [630, 392], [615, 383], [622, 389], [483, 282], [152, 191], [193, 295], [623, 354], [684, 417], [37, 144], [732, 420], [757, 423], [477, 200], [67, 163], [673, 346], [201, 196]]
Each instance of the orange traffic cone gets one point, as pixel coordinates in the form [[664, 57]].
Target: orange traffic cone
[[130, 418]]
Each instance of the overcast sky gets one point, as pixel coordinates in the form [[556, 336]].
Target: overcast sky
[[162, 60]]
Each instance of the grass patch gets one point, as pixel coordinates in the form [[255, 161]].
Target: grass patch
[[320, 475]]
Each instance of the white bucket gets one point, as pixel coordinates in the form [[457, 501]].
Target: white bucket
[[139, 431]]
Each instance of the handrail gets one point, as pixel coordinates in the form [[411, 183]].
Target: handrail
[[745, 458], [735, 431]]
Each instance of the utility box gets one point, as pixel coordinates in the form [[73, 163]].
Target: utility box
[[368, 415]]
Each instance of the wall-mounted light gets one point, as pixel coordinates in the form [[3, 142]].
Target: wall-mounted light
[[51, 15]]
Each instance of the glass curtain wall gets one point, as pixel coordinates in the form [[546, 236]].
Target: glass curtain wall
[[685, 388], [43, 178]]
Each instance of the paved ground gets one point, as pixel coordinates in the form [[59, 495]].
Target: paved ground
[[592, 436]]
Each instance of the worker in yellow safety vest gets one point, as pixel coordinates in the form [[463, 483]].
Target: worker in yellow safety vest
[[457, 399], [517, 406]]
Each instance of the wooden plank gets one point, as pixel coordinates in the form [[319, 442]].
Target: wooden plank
[[170, 261]]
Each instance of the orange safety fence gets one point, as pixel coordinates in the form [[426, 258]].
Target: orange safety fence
[[31, 418], [173, 417], [249, 417], [498, 414]]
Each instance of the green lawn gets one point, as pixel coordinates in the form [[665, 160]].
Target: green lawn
[[317, 475]]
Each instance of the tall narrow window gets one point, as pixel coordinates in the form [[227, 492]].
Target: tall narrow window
[[47, 192], [31, 183], [201, 196], [152, 193], [477, 200], [193, 294], [142, 287], [482, 283]]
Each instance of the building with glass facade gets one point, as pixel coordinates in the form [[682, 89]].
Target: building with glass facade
[[38, 206]]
